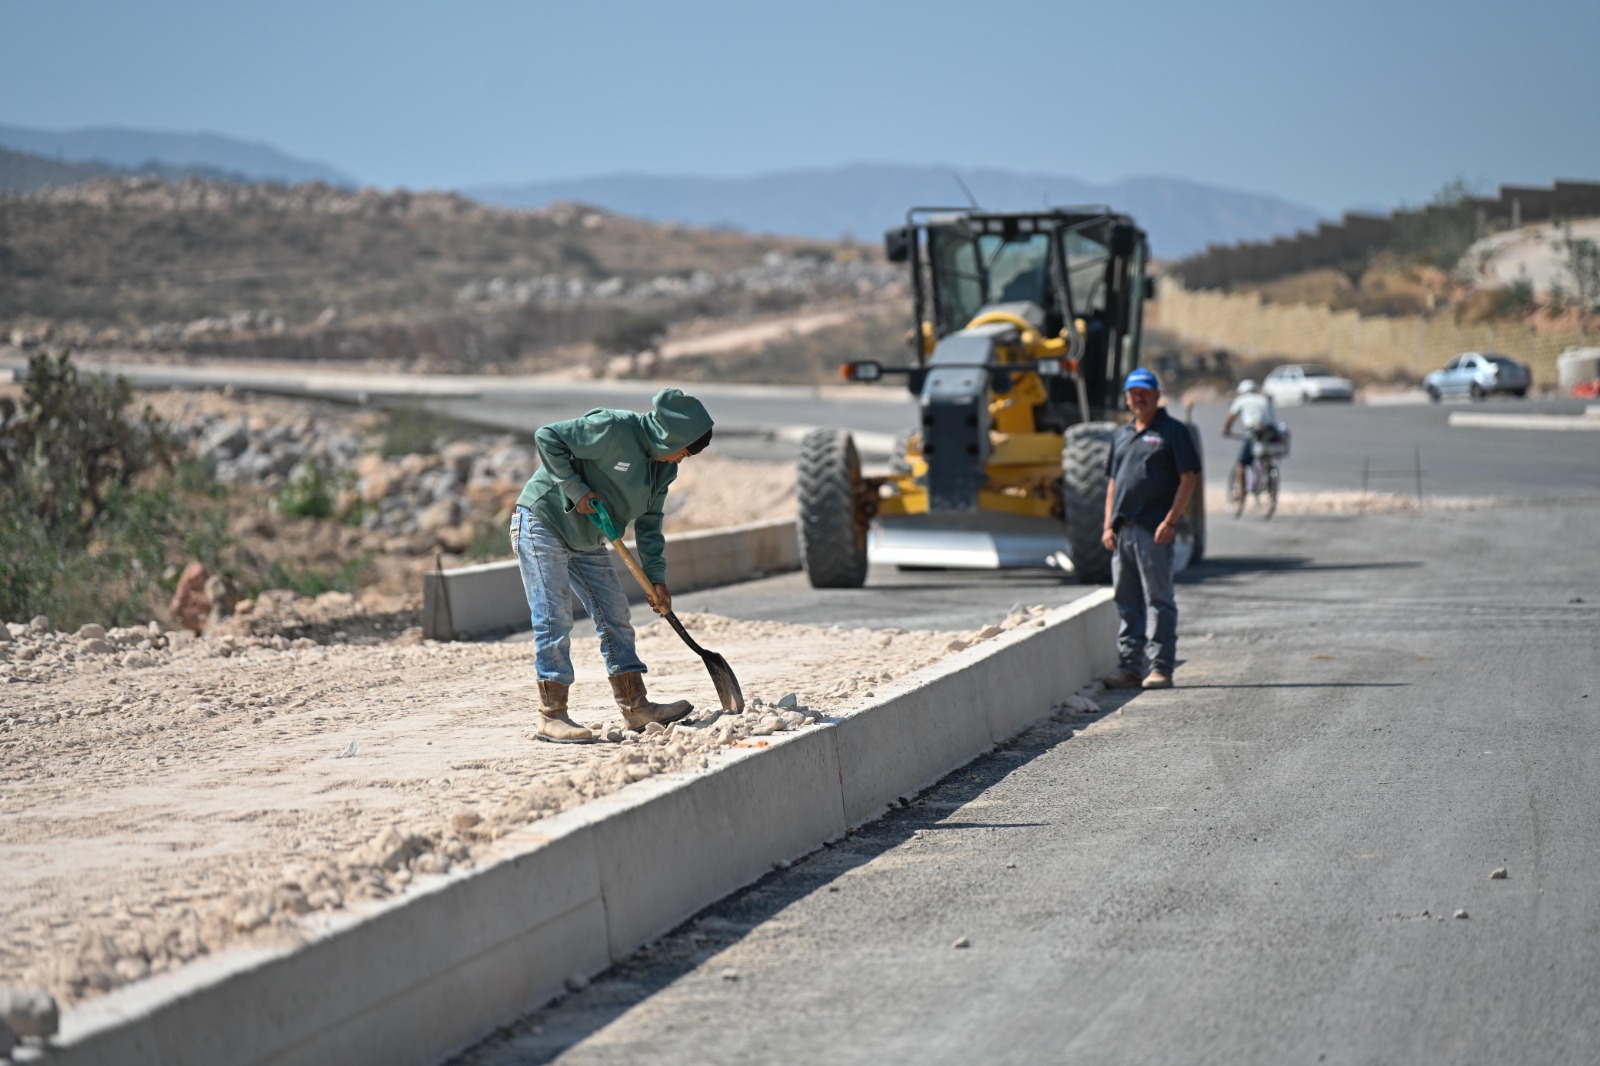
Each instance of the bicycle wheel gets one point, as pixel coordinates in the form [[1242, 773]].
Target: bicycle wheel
[[1270, 506], [1236, 492]]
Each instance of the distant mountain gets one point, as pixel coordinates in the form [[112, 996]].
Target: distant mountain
[[863, 200], [149, 151]]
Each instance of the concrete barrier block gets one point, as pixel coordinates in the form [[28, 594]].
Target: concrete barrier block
[[375, 985], [908, 741], [473, 600], [669, 848]]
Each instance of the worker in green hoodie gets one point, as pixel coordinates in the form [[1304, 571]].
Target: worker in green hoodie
[[627, 460]]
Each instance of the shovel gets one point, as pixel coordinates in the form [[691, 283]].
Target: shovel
[[722, 678]]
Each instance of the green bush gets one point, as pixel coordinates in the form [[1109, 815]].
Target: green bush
[[1515, 300], [348, 576], [308, 495], [91, 498]]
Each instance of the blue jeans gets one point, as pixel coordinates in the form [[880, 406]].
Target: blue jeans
[[1141, 578], [551, 573]]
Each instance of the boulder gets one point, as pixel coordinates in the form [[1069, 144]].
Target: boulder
[[223, 595], [458, 457], [190, 605]]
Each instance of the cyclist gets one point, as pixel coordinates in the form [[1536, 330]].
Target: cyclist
[[1255, 413]]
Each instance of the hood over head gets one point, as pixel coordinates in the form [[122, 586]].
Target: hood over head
[[676, 421]]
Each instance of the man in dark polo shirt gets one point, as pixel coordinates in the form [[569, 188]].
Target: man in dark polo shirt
[[1154, 469]]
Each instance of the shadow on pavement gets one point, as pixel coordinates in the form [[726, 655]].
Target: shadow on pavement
[[1234, 565]]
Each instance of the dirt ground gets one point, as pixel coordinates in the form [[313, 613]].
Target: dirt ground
[[159, 804]]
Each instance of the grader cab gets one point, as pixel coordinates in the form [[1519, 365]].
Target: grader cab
[[1024, 326]]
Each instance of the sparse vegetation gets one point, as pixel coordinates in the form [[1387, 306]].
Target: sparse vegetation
[[1443, 230], [633, 335], [92, 499]]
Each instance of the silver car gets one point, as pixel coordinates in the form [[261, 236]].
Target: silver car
[[1478, 375], [1307, 383]]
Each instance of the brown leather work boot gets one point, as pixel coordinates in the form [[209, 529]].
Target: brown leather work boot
[[1157, 679], [554, 725], [1121, 679], [637, 710]]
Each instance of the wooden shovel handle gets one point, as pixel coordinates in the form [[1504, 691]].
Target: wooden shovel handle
[[633, 566]]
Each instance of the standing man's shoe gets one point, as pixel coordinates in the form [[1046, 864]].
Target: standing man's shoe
[[1157, 679], [1121, 679]]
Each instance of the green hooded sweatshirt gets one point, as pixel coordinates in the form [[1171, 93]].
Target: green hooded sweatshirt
[[610, 452]]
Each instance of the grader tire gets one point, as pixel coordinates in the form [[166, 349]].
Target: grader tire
[[1084, 455], [833, 529]]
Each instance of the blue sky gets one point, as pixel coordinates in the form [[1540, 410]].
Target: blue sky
[[1370, 103]]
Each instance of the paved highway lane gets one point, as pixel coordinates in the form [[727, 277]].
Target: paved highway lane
[[1332, 442], [1261, 866]]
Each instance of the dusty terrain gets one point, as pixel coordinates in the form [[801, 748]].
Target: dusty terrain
[[162, 802]]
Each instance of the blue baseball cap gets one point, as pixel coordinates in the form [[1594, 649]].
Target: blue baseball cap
[[1141, 379]]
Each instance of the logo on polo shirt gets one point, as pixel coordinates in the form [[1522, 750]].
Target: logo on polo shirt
[[622, 467], [1151, 438]]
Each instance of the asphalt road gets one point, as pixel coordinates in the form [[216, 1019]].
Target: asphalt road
[[1262, 866]]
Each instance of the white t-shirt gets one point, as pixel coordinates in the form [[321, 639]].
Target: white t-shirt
[[1254, 411]]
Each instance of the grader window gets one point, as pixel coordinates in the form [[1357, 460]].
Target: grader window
[[971, 272]]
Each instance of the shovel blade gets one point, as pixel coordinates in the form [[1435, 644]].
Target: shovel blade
[[727, 686]]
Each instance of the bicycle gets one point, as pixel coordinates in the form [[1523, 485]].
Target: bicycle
[[1261, 477]]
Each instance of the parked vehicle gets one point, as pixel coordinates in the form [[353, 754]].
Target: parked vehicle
[[1307, 383], [1478, 375]]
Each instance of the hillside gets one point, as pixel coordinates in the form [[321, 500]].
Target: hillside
[[313, 271], [152, 151], [864, 200]]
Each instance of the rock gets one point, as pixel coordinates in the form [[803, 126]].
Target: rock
[[376, 486], [40, 623], [1498, 874], [463, 820], [789, 702], [335, 601], [5, 635], [956, 645], [730, 974], [437, 516], [224, 597], [244, 606], [1461, 914], [577, 983], [190, 606], [91, 631], [97, 647], [30, 1011], [986, 632], [247, 918], [962, 942]]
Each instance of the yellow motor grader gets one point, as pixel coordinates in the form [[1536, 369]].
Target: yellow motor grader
[[1025, 324]]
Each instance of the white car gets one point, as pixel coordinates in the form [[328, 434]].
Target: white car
[[1478, 375], [1307, 383]]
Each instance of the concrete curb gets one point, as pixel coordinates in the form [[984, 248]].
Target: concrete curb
[[414, 979], [488, 598], [1544, 422]]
